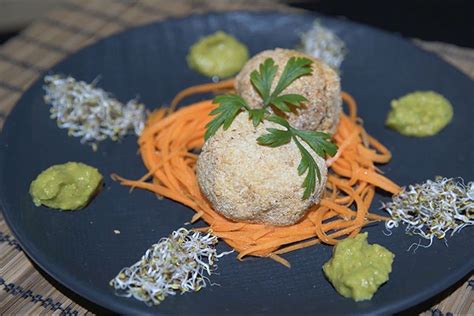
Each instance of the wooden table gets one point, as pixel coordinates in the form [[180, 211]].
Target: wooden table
[[74, 24]]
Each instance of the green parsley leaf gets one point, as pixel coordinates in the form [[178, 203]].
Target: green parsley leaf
[[279, 120], [232, 104], [295, 68], [262, 80], [275, 138], [307, 163], [282, 102], [229, 106], [318, 141], [257, 116]]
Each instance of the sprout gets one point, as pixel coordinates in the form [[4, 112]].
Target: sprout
[[322, 43], [175, 264], [433, 208], [89, 112]]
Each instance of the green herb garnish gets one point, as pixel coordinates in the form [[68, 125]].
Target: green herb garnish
[[230, 105], [318, 141], [233, 104]]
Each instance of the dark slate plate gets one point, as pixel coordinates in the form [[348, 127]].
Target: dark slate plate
[[80, 249]]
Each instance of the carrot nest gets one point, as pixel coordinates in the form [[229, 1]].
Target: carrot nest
[[170, 137]]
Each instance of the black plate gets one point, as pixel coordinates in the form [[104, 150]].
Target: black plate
[[80, 249]]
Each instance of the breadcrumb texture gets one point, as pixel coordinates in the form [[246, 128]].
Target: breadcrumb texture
[[248, 182], [322, 88]]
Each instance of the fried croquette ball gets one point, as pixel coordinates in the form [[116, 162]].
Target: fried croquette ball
[[248, 182], [322, 89]]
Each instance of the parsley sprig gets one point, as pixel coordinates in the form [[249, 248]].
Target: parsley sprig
[[318, 141], [230, 105]]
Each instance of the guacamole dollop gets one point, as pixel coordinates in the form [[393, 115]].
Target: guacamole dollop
[[218, 54], [419, 114], [68, 186], [357, 269]]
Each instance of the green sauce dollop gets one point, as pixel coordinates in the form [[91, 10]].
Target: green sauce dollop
[[419, 114], [219, 54], [69, 186], [357, 269]]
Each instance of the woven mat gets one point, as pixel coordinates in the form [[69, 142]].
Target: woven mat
[[23, 288]]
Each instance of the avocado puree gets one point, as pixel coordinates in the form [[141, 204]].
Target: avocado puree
[[69, 186], [357, 269], [419, 114], [219, 54]]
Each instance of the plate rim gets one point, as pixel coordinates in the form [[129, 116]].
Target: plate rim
[[96, 296]]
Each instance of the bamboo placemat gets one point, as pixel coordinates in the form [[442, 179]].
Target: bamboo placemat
[[74, 24]]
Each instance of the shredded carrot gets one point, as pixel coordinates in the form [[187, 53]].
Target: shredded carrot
[[202, 88], [166, 147]]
